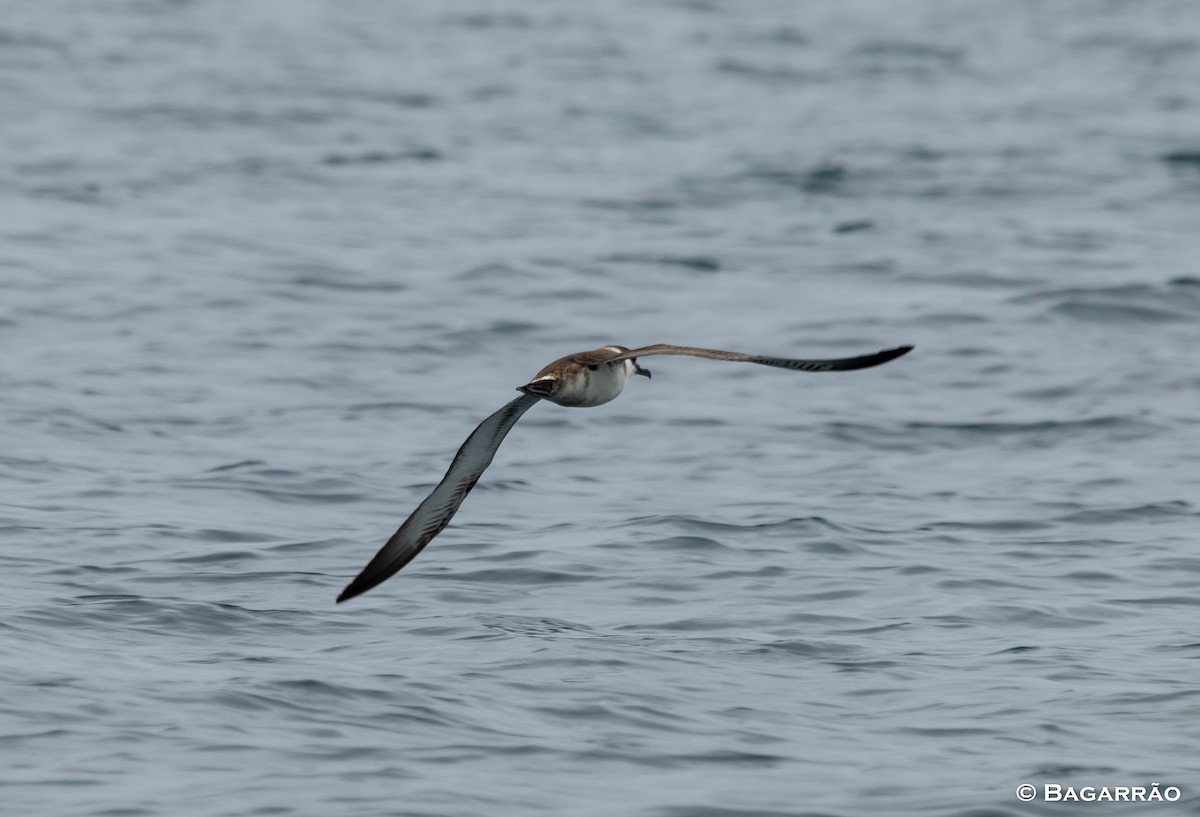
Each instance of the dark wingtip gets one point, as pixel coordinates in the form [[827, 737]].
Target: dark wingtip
[[866, 361], [355, 588], [892, 354]]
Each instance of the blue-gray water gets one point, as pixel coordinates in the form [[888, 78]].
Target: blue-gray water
[[264, 265]]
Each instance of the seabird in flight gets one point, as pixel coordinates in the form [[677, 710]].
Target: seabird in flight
[[577, 381]]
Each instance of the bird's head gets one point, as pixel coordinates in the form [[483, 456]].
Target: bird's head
[[633, 361]]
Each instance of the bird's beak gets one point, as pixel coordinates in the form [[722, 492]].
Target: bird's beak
[[639, 370]]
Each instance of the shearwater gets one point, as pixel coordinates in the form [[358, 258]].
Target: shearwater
[[578, 381]]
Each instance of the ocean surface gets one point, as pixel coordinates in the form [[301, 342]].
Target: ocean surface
[[263, 267]]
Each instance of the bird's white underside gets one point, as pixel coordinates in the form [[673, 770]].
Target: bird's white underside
[[594, 387]]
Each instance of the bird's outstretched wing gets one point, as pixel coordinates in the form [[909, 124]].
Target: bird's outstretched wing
[[432, 515], [842, 364]]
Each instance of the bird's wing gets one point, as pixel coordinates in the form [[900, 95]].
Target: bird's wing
[[842, 364], [432, 515]]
